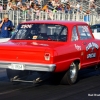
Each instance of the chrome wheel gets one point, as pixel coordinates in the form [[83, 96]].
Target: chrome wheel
[[73, 71], [70, 76]]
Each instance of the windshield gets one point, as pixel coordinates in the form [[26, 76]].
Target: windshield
[[50, 32]]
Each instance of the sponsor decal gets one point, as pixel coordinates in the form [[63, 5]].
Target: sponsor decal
[[92, 45], [26, 26], [85, 29], [92, 55], [77, 47]]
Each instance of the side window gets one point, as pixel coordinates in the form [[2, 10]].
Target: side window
[[84, 32], [74, 34]]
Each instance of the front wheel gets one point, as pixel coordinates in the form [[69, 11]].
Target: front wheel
[[70, 77]]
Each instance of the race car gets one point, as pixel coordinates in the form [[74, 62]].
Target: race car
[[49, 47]]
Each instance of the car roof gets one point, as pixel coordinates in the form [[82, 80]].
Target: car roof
[[53, 22]]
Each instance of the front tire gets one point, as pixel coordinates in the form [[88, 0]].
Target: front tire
[[70, 77]]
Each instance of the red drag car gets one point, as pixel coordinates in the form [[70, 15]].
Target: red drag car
[[50, 47]]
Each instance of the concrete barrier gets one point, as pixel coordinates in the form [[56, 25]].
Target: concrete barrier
[[4, 39]]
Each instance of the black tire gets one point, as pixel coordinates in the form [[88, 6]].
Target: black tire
[[70, 77], [11, 74]]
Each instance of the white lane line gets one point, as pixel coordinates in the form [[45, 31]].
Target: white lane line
[[3, 70], [7, 92]]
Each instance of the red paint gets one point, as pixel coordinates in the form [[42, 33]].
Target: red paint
[[61, 53]]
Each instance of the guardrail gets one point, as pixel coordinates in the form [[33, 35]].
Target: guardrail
[[20, 16]]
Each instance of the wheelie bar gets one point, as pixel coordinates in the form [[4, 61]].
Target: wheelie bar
[[37, 80]]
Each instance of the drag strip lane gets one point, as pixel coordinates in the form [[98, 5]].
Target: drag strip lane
[[13, 89], [88, 83]]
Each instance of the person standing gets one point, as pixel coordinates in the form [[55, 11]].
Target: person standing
[[6, 26]]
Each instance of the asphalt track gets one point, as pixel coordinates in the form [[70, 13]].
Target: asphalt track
[[87, 88]]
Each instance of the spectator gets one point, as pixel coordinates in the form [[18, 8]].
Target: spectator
[[78, 6], [28, 4], [63, 9], [19, 3], [50, 4], [6, 27], [31, 1], [1, 8], [9, 5], [80, 9], [45, 7], [4, 6], [39, 2], [13, 4], [56, 3], [68, 9], [64, 1]]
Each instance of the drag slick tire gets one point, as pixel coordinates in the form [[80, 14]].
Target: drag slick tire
[[70, 77], [16, 74]]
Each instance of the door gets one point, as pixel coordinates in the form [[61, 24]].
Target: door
[[90, 47]]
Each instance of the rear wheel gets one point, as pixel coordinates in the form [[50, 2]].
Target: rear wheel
[[70, 77]]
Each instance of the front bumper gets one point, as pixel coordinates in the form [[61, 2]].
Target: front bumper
[[27, 66]]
